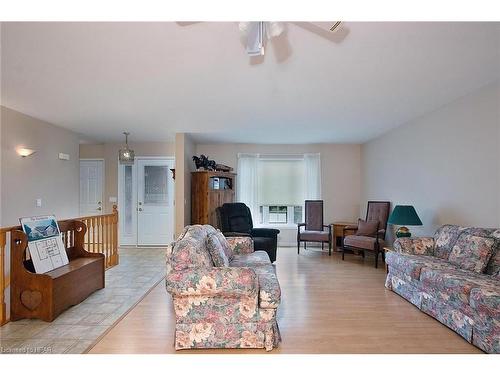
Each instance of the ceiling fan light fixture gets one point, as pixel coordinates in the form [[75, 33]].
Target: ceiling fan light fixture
[[126, 155], [274, 29], [255, 38]]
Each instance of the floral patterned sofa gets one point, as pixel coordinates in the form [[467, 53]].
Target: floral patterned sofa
[[455, 278], [225, 294]]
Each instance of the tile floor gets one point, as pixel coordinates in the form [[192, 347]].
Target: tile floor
[[79, 327]]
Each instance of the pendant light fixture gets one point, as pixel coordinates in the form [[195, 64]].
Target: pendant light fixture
[[126, 155]]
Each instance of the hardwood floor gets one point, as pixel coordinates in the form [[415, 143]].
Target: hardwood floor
[[328, 306]]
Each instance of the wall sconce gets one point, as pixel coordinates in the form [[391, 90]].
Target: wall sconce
[[25, 151]]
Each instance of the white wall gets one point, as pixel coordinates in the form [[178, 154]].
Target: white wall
[[340, 174], [41, 175], [184, 150], [109, 152], [446, 164]]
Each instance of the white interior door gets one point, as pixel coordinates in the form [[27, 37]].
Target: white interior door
[[91, 187], [155, 202]]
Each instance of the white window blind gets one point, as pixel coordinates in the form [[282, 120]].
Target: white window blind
[[281, 182]]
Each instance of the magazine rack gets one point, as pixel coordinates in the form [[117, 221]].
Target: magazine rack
[[45, 296]]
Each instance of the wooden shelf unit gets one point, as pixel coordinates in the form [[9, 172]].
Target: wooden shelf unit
[[205, 199]]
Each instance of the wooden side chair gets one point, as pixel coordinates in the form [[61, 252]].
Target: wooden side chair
[[314, 228], [370, 233]]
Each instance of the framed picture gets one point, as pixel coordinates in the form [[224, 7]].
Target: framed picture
[[44, 242]]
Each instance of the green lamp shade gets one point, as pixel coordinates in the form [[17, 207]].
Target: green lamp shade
[[404, 215]]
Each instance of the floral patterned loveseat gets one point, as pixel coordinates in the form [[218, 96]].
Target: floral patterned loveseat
[[455, 278], [225, 294]]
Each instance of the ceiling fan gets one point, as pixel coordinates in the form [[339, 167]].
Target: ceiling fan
[[257, 32]]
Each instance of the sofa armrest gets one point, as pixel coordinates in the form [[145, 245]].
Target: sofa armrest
[[241, 245], [227, 281], [265, 232], [415, 246], [236, 234]]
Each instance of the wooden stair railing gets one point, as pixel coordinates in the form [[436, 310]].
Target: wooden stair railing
[[101, 237]]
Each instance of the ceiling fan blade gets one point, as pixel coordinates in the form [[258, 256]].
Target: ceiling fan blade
[[333, 31], [187, 23], [328, 26]]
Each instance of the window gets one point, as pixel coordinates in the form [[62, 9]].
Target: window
[[277, 214], [280, 214], [276, 186], [280, 189]]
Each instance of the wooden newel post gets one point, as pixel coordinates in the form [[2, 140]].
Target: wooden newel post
[[3, 282], [115, 235]]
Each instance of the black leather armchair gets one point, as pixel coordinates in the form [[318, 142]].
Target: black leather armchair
[[235, 219]]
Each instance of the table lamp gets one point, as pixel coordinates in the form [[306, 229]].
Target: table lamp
[[404, 215]]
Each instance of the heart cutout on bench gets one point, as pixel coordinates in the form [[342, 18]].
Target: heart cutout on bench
[[31, 299]]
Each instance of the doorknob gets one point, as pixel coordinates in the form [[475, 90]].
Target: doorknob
[[99, 208], [99, 203], [139, 209]]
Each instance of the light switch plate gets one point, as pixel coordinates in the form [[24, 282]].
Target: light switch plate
[[39, 202], [63, 156]]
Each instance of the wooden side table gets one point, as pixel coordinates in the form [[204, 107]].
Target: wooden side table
[[338, 231]]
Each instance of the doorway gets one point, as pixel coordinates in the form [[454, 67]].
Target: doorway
[[146, 202], [91, 186]]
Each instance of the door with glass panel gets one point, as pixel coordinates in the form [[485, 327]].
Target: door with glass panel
[[146, 198], [155, 203], [127, 204]]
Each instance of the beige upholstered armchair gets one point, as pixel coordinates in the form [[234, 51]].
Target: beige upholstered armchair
[[370, 233], [314, 228]]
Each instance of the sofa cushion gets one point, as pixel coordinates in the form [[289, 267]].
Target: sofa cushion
[[195, 231], [486, 300], [216, 251], [241, 245], [255, 259], [471, 253], [209, 229], [362, 242], [269, 287], [454, 286], [190, 251], [225, 245], [367, 227], [444, 240], [411, 265], [414, 245], [493, 267]]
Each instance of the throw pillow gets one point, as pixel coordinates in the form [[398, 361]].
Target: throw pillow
[[444, 239], [216, 251], [471, 252], [367, 228], [225, 245]]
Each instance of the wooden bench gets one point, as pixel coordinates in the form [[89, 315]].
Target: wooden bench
[[45, 296]]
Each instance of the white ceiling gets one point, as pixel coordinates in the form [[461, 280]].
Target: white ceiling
[[155, 79]]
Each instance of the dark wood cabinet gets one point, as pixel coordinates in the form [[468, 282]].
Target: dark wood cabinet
[[209, 190]]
